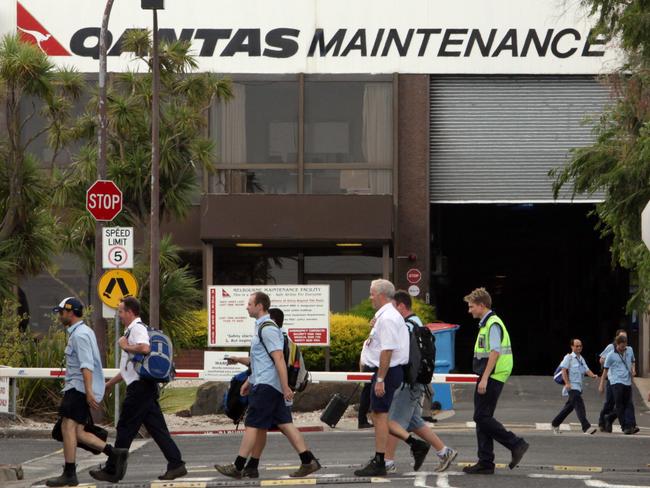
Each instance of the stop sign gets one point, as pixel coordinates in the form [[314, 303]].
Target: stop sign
[[104, 200], [413, 276]]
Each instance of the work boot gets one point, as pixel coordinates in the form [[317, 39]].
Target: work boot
[[419, 451], [63, 480], [306, 469], [250, 473], [120, 457], [229, 470], [518, 453], [172, 474], [373, 468], [478, 468], [103, 474]]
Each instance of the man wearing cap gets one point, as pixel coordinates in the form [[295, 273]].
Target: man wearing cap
[[83, 389], [141, 405]]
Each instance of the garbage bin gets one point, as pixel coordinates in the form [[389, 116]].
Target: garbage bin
[[445, 335]]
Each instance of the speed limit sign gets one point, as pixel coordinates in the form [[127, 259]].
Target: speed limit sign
[[117, 247]]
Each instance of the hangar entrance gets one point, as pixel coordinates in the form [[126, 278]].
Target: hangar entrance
[[547, 269]]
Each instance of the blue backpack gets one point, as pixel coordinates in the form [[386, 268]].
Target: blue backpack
[[235, 405], [158, 365], [557, 376]]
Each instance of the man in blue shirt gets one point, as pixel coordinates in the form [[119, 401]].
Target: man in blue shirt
[[620, 368], [574, 368], [607, 413], [269, 395], [83, 389]]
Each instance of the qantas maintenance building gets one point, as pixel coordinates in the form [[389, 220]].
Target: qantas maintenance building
[[377, 137]]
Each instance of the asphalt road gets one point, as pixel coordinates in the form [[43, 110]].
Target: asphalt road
[[570, 460]]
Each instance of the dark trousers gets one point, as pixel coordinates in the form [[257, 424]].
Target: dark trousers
[[623, 405], [364, 400], [141, 407], [576, 403], [608, 407], [488, 429]]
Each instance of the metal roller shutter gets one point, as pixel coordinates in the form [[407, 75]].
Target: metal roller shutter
[[494, 138]]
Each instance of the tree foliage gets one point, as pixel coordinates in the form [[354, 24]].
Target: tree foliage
[[618, 162]]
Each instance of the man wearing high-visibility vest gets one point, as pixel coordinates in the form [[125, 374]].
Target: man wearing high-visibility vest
[[493, 364]]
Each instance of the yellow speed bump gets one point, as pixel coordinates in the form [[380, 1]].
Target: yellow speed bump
[[293, 482], [580, 469]]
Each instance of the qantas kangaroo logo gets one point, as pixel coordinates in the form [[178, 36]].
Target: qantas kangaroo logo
[[31, 30]]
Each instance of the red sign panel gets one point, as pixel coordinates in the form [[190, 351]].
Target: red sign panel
[[308, 336], [413, 276], [104, 200]]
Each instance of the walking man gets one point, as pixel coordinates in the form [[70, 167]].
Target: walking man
[[493, 364], [620, 368], [405, 414], [83, 389], [574, 368], [269, 397], [140, 407], [607, 413], [385, 352]]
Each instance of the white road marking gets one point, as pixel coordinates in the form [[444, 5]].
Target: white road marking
[[604, 484], [442, 479], [471, 425], [561, 476]]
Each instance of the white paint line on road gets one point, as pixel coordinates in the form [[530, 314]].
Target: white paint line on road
[[471, 425], [548, 426], [561, 476], [604, 484], [420, 481], [442, 479]]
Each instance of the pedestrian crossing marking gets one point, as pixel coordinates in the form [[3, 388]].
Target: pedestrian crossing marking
[[291, 482]]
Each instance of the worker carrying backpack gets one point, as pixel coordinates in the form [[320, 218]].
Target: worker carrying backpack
[[296, 371], [422, 355]]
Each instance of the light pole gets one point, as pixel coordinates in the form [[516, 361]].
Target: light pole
[[154, 271], [98, 320]]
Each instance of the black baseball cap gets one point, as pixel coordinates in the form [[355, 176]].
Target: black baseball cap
[[71, 304]]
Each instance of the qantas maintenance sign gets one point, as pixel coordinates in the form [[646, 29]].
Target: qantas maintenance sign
[[330, 36]]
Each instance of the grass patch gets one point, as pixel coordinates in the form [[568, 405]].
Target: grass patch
[[173, 400]]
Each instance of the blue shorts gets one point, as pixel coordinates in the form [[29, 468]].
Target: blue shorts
[[392, 382], [266, 408], [406, 408]]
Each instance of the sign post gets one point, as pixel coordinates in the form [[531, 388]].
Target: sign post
[[645, 225]]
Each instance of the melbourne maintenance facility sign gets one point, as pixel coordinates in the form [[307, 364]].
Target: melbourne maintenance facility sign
[[333, 36]]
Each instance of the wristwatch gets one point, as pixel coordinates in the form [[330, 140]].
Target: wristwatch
[[379, 379]]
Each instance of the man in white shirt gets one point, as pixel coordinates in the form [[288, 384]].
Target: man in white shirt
[[385, 353], [141, 405]]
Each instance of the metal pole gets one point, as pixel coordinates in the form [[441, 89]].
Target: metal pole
[[98, 321], [117, 365], [154, 271], [13, 382]]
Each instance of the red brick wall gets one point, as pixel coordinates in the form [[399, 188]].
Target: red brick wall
[[189, 359]]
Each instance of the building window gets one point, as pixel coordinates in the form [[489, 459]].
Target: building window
[[345, 145]]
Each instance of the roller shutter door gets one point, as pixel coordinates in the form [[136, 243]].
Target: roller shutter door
[[494, 138]]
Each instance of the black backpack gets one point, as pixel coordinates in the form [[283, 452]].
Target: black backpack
[[422, 355], [235, 405], [297, 375]]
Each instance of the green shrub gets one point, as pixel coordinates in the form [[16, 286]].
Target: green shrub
[[426, 312], [347, 333]]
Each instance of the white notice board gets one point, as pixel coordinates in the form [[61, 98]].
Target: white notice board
[[305, 307], [4, 395], [216, 368]]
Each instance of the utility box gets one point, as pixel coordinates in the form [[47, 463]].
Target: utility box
[[445, 335]]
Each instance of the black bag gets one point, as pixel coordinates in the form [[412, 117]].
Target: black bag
[[422, 355], [90, 427], [335, 409], [235, 405]]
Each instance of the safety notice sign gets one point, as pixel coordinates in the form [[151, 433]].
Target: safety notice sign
[[117, 247], [115, 285]]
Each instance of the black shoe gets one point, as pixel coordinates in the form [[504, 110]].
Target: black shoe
[[478, 468], [608, 426], [120, 458], [419, 451], [103, 474], [250, 473], [63, 480], [365, 425], [518, 453], [172, 474], [372, 469]]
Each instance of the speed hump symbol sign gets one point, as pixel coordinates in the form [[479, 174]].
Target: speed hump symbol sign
[[115, 285]]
